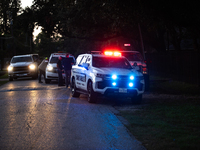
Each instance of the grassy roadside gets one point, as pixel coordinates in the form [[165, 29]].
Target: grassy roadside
[[3, 76], [168, 123]]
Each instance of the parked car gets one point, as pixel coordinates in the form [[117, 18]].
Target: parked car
[[137, 59], [51, 69], [23, 66], [106, 75]]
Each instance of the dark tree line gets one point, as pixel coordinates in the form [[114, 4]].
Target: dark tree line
[[81, 25]]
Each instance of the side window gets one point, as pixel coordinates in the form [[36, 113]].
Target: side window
[[78, 59], [88, 60], [83, 60]]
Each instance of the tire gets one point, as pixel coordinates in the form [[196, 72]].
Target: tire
[[10, 78], [137, 99], [73, 89], [91, 94]]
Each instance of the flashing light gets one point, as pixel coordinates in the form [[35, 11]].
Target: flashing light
[[114, 83], [117, 54], [32, 66], [108, 53], [130, 84], [112, 53], [114, 77], [131, 77]]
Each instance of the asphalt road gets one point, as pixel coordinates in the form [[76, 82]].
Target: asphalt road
[[44, 116]]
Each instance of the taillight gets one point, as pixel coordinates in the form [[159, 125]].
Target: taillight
[[144, 70]]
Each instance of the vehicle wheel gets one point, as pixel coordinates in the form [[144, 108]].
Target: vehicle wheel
[[137, 99], [91, 94], [10, 78], [47, 80], [73, 89]]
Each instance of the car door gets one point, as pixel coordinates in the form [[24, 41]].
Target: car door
[[87, 71], [81, 74]]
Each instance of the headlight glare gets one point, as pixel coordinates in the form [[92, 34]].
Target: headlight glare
[[49, 68], [10, 68], [32, 67]]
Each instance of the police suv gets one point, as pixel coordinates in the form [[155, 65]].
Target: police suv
[[106, 74], [51, 69]]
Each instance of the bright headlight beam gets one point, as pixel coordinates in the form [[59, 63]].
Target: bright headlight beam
[[10, 68], [32, 67], [49, 68]]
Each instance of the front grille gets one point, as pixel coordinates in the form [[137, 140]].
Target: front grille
[[24, 68], [121, 82]]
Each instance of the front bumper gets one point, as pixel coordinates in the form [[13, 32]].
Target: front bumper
[[122, 87], [25, 73]]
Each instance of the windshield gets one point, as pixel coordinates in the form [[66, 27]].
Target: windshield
[[111, 62], [54, 60], [21, 59], [132, 56]]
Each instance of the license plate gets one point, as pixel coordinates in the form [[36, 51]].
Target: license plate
[[21, 75], [122, 90]]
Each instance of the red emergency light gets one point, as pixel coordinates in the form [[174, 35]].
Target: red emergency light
[[112, 53]]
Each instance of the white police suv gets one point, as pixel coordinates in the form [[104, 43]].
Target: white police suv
[[106, 74]]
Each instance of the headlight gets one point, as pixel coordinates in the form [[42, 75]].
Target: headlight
[[99, 75], [144, 70], [32, 67], [49, 68], [10, 68]]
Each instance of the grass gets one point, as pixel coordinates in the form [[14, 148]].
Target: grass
[[169, 124], [4, 76]]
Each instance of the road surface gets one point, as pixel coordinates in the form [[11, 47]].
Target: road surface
[[36, 116]]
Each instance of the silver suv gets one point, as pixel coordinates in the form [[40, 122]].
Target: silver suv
[[23, 66]]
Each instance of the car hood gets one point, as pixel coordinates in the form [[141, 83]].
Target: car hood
[[53, 65], [118, 71], [21, 64]]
